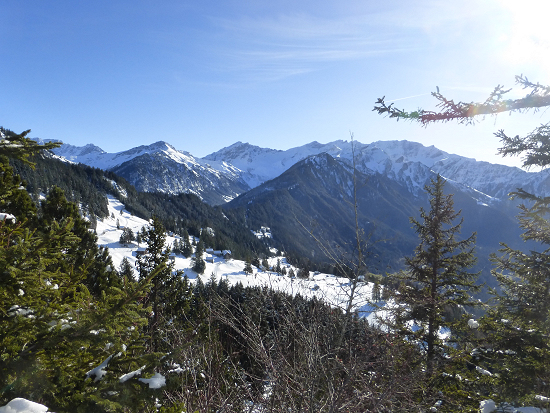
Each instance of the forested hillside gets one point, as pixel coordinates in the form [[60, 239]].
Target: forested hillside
[[87, 187]]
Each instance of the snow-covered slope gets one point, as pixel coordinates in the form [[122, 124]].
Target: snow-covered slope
[[330, 288]]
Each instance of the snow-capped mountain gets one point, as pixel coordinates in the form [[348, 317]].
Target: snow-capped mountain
[[409, 163], [223, 175], [317, 196], [159, 167]]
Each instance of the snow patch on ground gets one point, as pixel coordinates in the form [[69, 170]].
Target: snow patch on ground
[[19, 405]]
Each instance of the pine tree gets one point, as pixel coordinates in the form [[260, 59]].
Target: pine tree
[[127, 236], [278, 268], [303, 272], [85, 254], [126, 270], [514, 342], [436, 277], [519, 325]]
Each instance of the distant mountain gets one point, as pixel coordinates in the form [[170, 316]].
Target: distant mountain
[[409, 163], [222, 175], [315, 196], [161, 168], [89, 188], [77, 154]]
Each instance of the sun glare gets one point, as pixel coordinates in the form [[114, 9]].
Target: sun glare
[[527, 39]]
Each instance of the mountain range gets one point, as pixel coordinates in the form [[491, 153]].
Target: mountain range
[[221, 176], [306, 195]]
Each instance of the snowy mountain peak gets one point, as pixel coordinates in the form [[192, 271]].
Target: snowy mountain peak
[[239, 153], [74, 153]]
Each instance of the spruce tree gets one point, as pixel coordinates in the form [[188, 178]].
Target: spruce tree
[[127, 236], [154, 265], [436, 277], [85, 254], [186, 249], [198, 262], [278, 267], [518, 326], [514, 339], [126, 270], [248, 267]]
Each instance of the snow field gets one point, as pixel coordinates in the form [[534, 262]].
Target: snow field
[[333, 290]]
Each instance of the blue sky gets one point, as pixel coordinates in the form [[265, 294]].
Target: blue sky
[[202, 75]]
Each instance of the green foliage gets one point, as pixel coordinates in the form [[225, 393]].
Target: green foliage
[[186, 248], [127, 236], [87, 187], [53, 328], [519, 324], [82, 184], [198, 262], [154, 266], [18, 146], [512, 347], [436, 278], [303, 272], [248, 267], [84, 255], [126, 271]]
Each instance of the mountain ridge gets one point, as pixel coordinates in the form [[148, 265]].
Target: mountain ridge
[[242, 166]]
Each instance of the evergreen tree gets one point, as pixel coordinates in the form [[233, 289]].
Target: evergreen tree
[[155, 266], [303, 272], [248, 267], [186, 249], [436, 277], [18, 146], [278, 268], [518, 326], [127, 236], [514, 339], [198, 262], [85, 255], [466, 113], [52, 330], [126, 270]]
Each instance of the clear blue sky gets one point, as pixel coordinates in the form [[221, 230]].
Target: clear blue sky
[[202, 75]]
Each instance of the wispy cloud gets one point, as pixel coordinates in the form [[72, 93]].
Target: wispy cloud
[[288, 45]]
